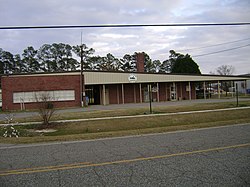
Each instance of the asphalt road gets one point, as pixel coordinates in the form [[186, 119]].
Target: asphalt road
[[205, 157]]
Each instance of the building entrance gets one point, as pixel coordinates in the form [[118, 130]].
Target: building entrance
[[93, 94], [173, 96]]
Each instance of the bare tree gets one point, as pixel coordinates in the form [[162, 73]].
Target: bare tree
[[45, 108], [226, 70]]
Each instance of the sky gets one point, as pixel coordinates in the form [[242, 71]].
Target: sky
[[155, 41]]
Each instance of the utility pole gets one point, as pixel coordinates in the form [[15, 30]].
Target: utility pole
[[237, 95], [81, 77], [150, 97]]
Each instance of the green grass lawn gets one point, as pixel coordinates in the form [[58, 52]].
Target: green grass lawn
[[132, 126], [135, 111]]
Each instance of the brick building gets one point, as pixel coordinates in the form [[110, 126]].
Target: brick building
[[64, 89]]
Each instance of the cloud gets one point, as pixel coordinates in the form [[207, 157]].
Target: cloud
[[156, 41]]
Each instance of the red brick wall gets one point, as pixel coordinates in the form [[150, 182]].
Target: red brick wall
[[13, 84], [112, 94], [193, 91], [168, 91], [137, 93], [132, 92], [181, 90], [162, 91], [128, 93], [140, 62], [120, 93], [185, 93]]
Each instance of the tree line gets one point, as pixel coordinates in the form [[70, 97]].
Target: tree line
[[59, 57]]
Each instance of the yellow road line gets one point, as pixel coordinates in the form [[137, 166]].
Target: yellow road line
[[86, 164]]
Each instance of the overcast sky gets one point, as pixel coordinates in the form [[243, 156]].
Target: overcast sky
[[155, 41]]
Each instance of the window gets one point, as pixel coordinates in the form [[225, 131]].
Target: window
[[56, 95], [64, 95]]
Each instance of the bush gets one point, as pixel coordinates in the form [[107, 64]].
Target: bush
[[45, 109]]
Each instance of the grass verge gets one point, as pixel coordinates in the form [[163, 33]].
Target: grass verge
[[132, 126], [134, 111]]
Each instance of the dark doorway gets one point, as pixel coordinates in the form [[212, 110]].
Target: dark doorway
[[93, 93]]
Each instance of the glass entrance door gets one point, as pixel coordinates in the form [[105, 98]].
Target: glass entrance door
[[173, 95]]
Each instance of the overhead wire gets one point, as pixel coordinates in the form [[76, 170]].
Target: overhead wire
[[122, 25], [214, 45], [221, 51], [138, 25]]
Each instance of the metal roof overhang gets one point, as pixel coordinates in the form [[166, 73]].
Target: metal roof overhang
[[91, 78]]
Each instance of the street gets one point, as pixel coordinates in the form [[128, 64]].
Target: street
[[205, 157]]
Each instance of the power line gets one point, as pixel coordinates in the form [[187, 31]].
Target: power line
[[121, 26], [221, 51], [214, 45]]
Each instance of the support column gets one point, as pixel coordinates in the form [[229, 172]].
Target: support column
[[150, 97], [140, 93], [218, 89], [189, 90], [237, 94], [232, 85], [204, 90], [210, 90], [245, 84], [158, 92], [103, 94], [122, 94]]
